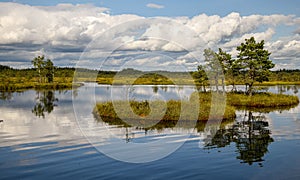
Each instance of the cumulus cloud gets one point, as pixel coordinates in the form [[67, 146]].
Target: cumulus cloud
[[155, 6], [68, 32]]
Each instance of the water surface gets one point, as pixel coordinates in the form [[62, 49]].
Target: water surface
[[40, 138]]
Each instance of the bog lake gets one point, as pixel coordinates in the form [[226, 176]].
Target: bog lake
[[54, 135]]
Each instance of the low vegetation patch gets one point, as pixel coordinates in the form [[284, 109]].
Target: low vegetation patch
[[30, 85], [261, 100], [171, 110], [211, 106]]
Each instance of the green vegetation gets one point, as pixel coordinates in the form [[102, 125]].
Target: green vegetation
[[254, 61], [132, 76], [172, 112], [44, 76], [45, 69], [251, 65], [20, 79], [263, 102]]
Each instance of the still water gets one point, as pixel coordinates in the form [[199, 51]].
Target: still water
[[42, 137]]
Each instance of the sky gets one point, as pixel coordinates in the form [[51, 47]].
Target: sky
[[144, 34]]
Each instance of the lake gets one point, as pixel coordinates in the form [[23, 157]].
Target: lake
[[54, 135]]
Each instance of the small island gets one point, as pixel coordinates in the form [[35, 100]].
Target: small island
[[262, 102]]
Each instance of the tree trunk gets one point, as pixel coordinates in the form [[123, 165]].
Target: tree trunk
[[223, 85], [40, 80], [233, 84], [251, 89], [233, 87], [217, 83]]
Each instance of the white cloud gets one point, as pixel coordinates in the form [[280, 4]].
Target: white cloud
[[65, 31], [155, 6]]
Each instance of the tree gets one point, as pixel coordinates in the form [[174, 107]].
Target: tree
[[49, 68], [233, 73], [226, 63], [230, 67], [38, 63], [214, 67], [201, 77], [44, 68], [255, 62]]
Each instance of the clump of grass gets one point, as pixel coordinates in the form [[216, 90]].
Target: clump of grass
[[32, 85], [210, 106], [213, 106], [261, 100], [274, 83], [172, 110]]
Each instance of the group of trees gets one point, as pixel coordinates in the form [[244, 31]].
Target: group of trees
[[45, 69], [252, 63]]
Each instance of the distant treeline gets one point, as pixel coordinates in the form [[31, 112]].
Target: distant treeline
[[11, 74]]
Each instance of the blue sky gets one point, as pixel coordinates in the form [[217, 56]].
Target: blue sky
[[64, 29], [184, 8]]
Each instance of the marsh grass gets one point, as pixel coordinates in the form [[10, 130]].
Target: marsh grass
[[172, 110], [274, 83], [182, 80], [25, 86], [212, 106], [19, 86], [262, 100]]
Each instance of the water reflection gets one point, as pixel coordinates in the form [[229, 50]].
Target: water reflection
[[53, 147], [155, 89], [45, 102], [161, 125], [6, 95], [287, 88], [250, 135]]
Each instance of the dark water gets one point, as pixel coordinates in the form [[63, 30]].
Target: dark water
[[41, 139]]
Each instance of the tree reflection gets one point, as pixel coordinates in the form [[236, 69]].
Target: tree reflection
[[6, 95], [155, 89], [45, 102], [251, 136], [283, 89], [295, 89]]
